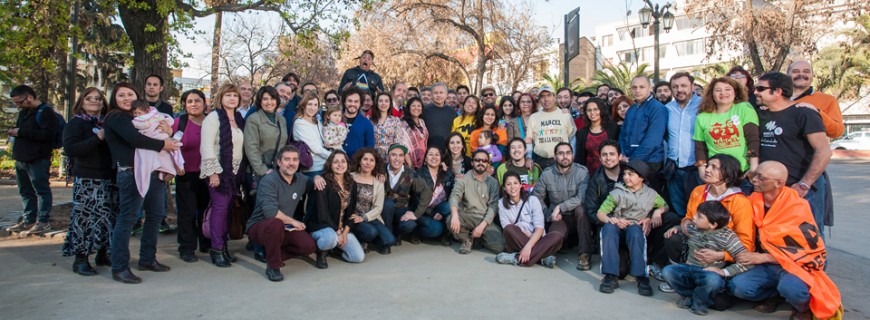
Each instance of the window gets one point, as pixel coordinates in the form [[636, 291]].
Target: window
[[627, 56], [627, 33], [684, 23], [607, 41], [647, 54], [691, 47]]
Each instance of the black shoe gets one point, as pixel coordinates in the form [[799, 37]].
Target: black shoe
[[189, 257], [204, 249], [365, 247], [164, 227], [384, 250], [218, 259], [154, 266], [259, 256], [643, 287], [767, 306], [102, 259], [126, 276], [444, 240], [250, 245], [321, 263], [608, 284], [82, 266], [415, 239], [228, 256], [274, 275]]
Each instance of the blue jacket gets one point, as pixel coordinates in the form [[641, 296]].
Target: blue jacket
[[361, 135], [643, 131], [290, 113]]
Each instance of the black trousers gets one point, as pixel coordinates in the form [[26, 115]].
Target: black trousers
[[191, 197]]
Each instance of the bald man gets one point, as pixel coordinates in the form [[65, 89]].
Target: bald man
[[801, 73], [790, 254]]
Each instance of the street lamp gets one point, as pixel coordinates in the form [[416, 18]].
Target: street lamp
[[650, 13]]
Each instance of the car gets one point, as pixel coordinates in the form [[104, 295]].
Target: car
[[853, 141]]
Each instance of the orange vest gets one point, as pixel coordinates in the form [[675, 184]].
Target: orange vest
[[789, 233]]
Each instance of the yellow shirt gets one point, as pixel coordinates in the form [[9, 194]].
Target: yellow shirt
[[464, 125]]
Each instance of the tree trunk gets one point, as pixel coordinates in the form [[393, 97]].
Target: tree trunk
[[216, 52], [149, 47]]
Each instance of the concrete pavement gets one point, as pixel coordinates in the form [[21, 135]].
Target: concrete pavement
[[425, 281]]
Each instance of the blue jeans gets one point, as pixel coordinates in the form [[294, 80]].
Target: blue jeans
[[817, 203], [130, 203], [327, 239], [429, 227], [680, 185], [35, 191], [611, 235], [692, 281], [368, 231], [765, 281], [392, 216]]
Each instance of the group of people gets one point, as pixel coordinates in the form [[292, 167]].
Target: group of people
[[719, 195]]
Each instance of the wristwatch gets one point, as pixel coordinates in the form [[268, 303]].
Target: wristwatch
[[804, 186]]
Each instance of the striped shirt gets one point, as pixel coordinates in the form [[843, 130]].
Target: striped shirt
[[722, 239]]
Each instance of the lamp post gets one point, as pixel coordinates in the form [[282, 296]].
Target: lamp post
[[658, 16]]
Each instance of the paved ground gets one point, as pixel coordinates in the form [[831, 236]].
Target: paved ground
[[426, 281]]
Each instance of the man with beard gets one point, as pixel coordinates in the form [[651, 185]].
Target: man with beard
[[400, 89], [679, 170], [603, 181], [602, 92], [474, 205], [289, 101], [488, 96], [517, 164], [426, 95], [452, 99], [362, 75], [278, 194], [663, 92], [561, 189], [361, 132], [793, 136], [826, 105]]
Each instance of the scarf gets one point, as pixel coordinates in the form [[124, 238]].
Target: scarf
[[97, 121], [789, 233], [225, 158]]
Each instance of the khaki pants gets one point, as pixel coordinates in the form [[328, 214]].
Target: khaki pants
[[491, 237]]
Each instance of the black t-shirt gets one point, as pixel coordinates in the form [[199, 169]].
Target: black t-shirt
[[439, 122], [784, 138], [349, 121], [162, 107]]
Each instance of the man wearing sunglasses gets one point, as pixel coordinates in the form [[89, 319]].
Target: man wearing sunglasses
[[793, 136], [488, 95], [474, 205]]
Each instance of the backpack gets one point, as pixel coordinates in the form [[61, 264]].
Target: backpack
[[61, 123]]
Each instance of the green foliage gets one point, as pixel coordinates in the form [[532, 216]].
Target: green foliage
[[620, 75], [844, 69], [576, 85]]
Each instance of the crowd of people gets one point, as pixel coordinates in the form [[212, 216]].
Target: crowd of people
[[718, 192]]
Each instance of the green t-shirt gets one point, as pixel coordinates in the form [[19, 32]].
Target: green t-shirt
[[723, 132]]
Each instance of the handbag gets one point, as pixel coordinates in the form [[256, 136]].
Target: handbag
[[305, 159]]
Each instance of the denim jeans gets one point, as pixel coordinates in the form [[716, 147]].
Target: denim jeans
[[817, 203], [765, 281], [35, 191], [692, 281], [370, 231], [680, 185], [611, 236], [430, 228], [130, 203], [392, 217], [327, 239]]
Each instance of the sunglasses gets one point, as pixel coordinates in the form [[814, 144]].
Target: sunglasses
[[331, 99], [761, 88], [479, 160], [488, 94]]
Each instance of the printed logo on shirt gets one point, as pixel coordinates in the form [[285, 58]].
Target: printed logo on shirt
[[725, 135], [294, 196], [769, 135], [551, 131]]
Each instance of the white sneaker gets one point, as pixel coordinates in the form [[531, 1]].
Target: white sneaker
[[506, 258], [666, 288]]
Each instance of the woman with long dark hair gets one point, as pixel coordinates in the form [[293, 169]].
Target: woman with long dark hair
[[123, 139], [744, 78], [415, 133], [335, 205], [388, 129], [95, 195], [507, 111], [191, 191], [455, 158], [522, 218], [439, 184], [464, 123], [222, 152], [265, 132], [599, 127], [487, 119], [366, 222]]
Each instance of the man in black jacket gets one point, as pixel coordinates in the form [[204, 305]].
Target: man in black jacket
[[34, 135], [362, 76], [600, 184]]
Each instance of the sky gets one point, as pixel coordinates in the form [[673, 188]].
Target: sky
[[549, 14]]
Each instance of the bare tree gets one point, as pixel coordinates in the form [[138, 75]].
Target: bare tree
[[520, 42], [768, 31]]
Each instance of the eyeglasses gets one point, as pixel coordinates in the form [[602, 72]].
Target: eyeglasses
[[93, 98], [480, 160], [737, 76], [331, 99], [761, 88]]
